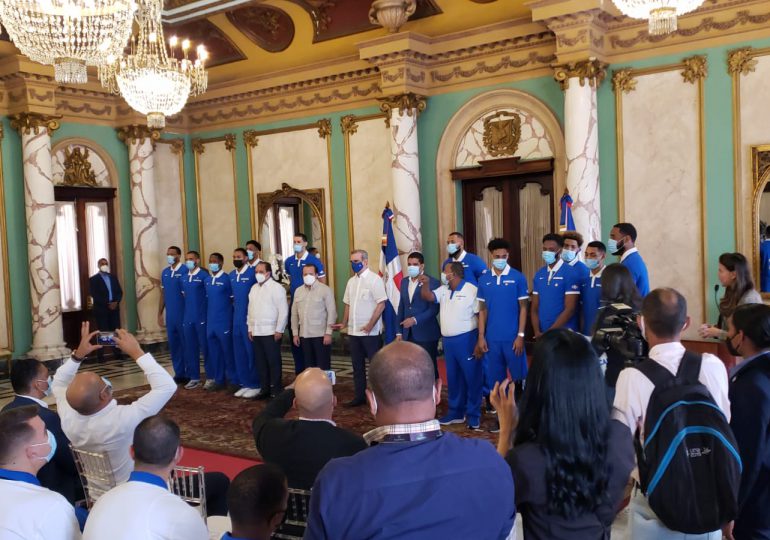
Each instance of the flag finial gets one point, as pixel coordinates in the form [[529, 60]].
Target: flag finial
[[387, 204]]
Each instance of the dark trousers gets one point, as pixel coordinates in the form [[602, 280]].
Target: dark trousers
[[432, 348], [297, 353], [267, 355], [316, 353], [217, 484], [361, 348]]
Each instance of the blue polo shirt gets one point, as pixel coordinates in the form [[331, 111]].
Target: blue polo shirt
[[501, 295], [293, 267], [633, 261], [194, 289], [473, 265], [590, 300], [171, 282], [764, 268], [219, 297], [580, 268], [241, 284], [551, 286]]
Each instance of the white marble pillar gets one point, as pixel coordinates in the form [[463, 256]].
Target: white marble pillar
[[40, 207], [144, 223], [405, 169], [582, 147]]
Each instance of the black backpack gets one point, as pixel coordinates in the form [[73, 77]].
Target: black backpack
[[689, 465]]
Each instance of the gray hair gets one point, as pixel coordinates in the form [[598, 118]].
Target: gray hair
[[362, 252]]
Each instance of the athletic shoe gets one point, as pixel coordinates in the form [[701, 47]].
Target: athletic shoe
[[194, 383], [474, 427], [490, 409], [448, 420], [214, 387], [240, 392], [495, 427], [250, 393], [209, 384], [181, 380]]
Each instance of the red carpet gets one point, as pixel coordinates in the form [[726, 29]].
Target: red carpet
[[229, 465]]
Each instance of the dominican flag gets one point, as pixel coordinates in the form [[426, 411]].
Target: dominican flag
[[390, 270], [566, 223]]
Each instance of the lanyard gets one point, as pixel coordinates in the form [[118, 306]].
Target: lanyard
[[412, 437]]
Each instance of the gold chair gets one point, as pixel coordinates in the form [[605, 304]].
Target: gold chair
[[297, 508], [95, 472], [190, 485]]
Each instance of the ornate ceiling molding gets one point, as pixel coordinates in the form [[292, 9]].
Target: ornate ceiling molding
[[269, 27]]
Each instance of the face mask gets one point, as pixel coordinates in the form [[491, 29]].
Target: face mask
[[238, 263], [170, 259], [261, 278], [500, 264], [250, 254], [592, 264], [549, 257], [214, 267], [357, 266], [104, 268], [297, 248], [189, 264], [106, 381], [452, 248], [568, 256], [413, 271], [444, 279], [612, 246], [309, 280], [49, 382], [52, 442], [730, 348]]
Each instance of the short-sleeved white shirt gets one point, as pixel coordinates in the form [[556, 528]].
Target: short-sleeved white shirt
[[458, 309], [362, 293]]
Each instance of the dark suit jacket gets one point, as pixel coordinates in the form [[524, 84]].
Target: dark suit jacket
[[99, 291], [427, 327], [750, 420], [59, 474], [301, 448]]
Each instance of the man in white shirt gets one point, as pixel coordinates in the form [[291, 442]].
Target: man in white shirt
[[91, 418], [267, 319], [143, 507], [663, 319], [364, 301], [28, 510]]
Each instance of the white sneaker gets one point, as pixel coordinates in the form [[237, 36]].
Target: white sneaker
[[250, 393], [194, 383], [240, 392], [208, 384]]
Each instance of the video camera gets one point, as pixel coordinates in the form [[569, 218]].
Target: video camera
[[618, 333]]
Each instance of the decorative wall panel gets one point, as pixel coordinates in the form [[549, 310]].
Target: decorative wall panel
[[98, 166], [170, 195]]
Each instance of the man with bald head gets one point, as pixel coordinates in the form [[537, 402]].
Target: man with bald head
[[302, 447], [91, 418], [415, 481]]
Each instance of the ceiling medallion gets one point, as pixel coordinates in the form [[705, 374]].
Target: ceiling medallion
[[661, 14]]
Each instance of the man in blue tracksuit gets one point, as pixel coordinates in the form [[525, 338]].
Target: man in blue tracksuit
[[219, 328], [622, 243], [172, 301], [473, 265], [194, 321], [242, 279]]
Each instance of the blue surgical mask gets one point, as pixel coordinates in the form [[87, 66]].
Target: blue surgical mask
[[170, 259], [52, 442], [49, 381], [592, 264], [250, 254], [500, 264], [413, 271], [444, 279], [612, 246], [189, 264], [297, 248], [214, 267], [107, 382], [452, 248], [549, 257], [357, 266], [568, 256]]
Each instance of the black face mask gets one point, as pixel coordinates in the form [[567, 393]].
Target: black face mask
[[730, 348], [238, 263]]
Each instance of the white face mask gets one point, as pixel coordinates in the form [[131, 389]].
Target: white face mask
[[309, 279], [261, 278], [104, 268]]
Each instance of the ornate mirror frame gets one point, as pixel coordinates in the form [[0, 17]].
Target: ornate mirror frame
[[760, 166]]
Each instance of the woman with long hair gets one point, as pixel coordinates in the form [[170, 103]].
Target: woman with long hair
[[570, 461], [735, 276]]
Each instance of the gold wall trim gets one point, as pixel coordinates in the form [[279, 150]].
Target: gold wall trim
[[4, 246], [759, 177], [199, 147], [177, 147]]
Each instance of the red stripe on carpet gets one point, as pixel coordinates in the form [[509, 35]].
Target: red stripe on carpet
[[229, 465]]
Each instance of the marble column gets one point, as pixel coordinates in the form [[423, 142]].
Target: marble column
[[402, 112], [580, 81], [40, 206], [144, 223]]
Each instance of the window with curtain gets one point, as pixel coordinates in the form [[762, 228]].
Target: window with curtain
[[286, 228], [69, 268], [489, 220], [535, 212], [97, 229]]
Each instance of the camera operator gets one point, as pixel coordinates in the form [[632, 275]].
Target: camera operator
[[616, 332]]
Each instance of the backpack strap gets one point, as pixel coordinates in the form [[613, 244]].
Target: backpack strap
[[657, 374], [689, 367]]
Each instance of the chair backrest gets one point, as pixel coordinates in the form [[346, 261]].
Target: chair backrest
[[190, 485], [297, 507], [95, 471]]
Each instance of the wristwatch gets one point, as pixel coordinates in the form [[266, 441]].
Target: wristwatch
[[75, 358], [521, 334]]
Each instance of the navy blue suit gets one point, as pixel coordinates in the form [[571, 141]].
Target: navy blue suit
[[106, 319], [426, 332], [60, 474]]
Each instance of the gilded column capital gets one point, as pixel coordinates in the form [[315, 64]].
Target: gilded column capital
[[348, 124], [741, 61], [409, 103], [29, 122], [592, 71], [137, 133], [695, 69], [324, 127], [230, 141], [177, 146], [250, 139], [623, 80], [198, 146]]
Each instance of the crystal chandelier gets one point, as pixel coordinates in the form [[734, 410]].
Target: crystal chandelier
[[151, 79], [70, 34], [661, 14]]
